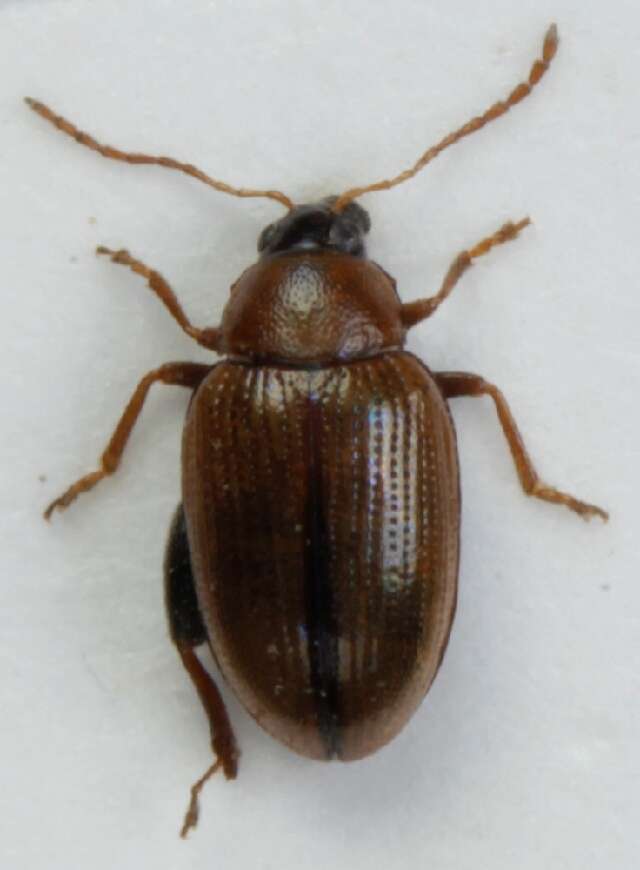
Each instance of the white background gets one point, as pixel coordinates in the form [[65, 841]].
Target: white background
[[525, 753]]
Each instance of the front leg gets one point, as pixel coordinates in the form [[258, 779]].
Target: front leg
[[414, 312], [182, 374], [208, 337], [454, 384]]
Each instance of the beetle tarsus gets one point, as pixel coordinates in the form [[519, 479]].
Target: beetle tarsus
[[582, 508], [83, 485], [193, 810], [507, 233]]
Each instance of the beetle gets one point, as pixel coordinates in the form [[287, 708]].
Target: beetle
[[316, 546]]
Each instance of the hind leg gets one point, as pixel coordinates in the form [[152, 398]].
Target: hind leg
[[187, 632]]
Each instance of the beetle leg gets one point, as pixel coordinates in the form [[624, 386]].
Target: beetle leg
[[206, 337], [414, 312], [188, 631], [454, 384], [183, 374]]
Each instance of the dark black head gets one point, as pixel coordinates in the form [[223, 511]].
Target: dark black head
[[315, 225]]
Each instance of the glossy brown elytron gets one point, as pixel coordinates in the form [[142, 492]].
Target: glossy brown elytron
[[316, 546]]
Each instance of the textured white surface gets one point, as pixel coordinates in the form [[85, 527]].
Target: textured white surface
[[525, 753]]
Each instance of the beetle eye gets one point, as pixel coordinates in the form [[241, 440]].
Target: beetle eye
[[357, 216], [346, 235], [266, 236]]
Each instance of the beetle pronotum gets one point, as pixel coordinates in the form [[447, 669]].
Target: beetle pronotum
[[316, 546]]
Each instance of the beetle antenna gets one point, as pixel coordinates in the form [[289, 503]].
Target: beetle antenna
[[129, 157], [518, 94]]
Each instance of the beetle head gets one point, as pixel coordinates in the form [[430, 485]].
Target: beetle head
[[316, 225]]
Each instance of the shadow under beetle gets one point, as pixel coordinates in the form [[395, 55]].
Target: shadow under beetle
[[316, 546]]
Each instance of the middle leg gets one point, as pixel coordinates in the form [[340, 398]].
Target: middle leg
[[181, 374], [454, 384]]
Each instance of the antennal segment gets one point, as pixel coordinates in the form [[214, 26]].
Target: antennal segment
[[518, 94], [129, 157]]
